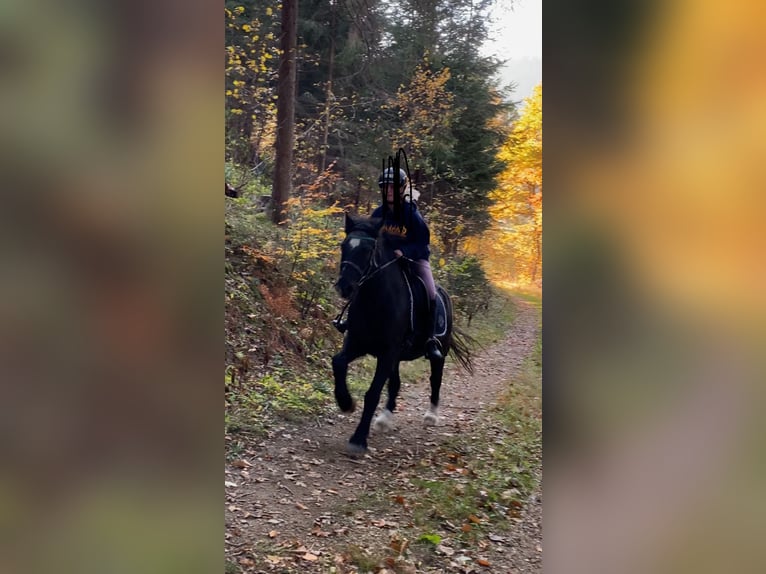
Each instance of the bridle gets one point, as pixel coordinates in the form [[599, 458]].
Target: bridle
[[373, 268], [372, 264], [357, 268]]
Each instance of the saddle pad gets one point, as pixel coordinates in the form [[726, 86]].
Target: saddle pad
[[440, 328], [418, 299]]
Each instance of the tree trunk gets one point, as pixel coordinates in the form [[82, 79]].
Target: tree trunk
[[285, 112], [328, 94]]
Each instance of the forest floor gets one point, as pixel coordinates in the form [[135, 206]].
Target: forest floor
[[462, 496]]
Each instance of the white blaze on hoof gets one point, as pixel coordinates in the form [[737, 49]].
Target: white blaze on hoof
[[431, 417], [384, 421]]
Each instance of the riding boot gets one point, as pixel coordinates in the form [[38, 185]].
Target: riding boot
[[433, 347]]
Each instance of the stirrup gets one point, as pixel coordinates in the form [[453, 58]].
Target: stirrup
[[340, 324]]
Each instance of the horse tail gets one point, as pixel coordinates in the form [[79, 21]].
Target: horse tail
[[460, 346], [460, 342]]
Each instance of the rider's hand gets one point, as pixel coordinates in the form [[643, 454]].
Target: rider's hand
[[398, 252]]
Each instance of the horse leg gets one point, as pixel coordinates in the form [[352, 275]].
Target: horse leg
[[339, 370], [385, 420], [358, 441], [437, 369]]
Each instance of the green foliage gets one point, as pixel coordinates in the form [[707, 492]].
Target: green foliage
[[430, 538], [474, 165], [279, 302], [464, 278], [311, 250]]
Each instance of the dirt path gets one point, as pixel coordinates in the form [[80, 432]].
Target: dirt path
[[297, 503]]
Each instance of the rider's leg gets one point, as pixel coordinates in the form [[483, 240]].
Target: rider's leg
[[422, 269]]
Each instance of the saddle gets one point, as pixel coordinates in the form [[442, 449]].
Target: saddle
[[419, 305]]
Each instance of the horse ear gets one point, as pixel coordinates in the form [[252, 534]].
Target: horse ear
[[350, 222]]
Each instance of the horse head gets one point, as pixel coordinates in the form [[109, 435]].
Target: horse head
[[357, 252]]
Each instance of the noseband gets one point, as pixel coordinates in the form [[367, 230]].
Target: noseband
[[364, 275]]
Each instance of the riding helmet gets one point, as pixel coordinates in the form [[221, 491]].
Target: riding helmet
[[388, 177]]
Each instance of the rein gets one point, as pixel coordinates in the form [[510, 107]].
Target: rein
[[365, 275]]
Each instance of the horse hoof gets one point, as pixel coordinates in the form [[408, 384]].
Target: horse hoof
[[355, 450], [430, 419], [349, 409], [384, 421]]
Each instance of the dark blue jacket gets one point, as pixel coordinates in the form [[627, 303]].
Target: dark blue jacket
[[411, 234]]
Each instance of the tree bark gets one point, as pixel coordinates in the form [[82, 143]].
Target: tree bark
[[283, 168], [328, 93]]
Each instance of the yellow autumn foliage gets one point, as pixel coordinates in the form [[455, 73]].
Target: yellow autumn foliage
[[513, 244]]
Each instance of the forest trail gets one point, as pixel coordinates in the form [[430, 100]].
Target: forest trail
[[295, 502]]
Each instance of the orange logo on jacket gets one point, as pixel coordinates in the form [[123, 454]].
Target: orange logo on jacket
[[399, 230]]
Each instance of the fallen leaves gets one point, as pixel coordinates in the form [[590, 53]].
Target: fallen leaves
[[444, 549], [383, 523], [398, 545], [317, 531]]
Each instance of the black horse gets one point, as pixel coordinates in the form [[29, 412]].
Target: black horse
[[385, 322]]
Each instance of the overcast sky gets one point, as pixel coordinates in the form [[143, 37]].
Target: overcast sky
[[517, 34]]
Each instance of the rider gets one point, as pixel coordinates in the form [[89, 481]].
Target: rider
[[415, 237]]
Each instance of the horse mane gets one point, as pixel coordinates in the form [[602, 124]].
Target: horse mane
[[368, 225]]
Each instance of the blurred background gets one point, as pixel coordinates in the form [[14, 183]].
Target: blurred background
[[110, 321], [655, 274]]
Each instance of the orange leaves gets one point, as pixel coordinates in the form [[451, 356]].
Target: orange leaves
[[280, 303]]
